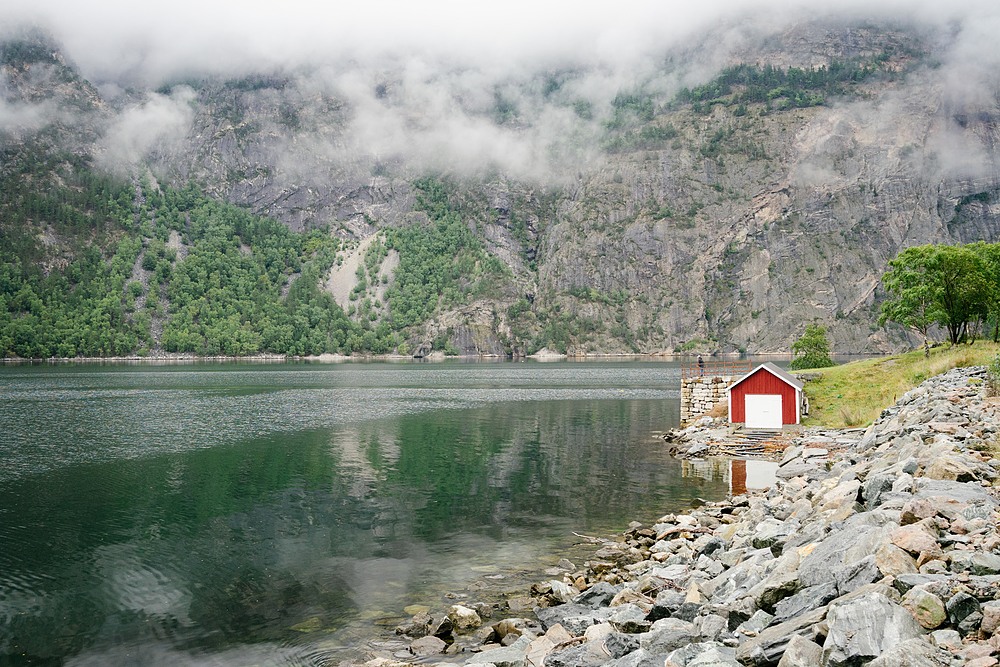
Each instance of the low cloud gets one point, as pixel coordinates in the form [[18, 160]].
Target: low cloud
[[158, 121]]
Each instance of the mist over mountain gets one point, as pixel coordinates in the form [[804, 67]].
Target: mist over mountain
[[656, 179]]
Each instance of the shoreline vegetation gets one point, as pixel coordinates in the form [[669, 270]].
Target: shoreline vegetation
[[434, 356], [854, 394]]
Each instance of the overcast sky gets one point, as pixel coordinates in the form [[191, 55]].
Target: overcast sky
[[147, 42]]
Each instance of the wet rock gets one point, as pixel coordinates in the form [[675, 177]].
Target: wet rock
[[463, 618], [418, 626], [865, 627], [514, 655], [521, 603], [427, 646], [441, 627]]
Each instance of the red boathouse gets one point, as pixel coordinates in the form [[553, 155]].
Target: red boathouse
[[766, 397]]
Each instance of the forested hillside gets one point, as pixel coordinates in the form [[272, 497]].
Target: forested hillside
[[708, 208]]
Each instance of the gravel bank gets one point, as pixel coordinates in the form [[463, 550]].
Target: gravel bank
[[876, 547]]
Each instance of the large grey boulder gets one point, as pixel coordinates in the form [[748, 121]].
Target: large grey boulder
[[639, 658], [629, 618], [427, 646], [590, 654], [964, 612], [599, 595], [574, 617], [913, 653], [822, 563], [664, 640], [805, 600], [707, 654], [855, 575], [874, 487], [959, 491], [975, 562], [801, 653], [864, 627], [766, 648]]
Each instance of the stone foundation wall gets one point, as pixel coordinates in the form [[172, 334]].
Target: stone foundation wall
[[702, 393]]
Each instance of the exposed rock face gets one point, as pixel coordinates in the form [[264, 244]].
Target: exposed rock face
[[732, 235]]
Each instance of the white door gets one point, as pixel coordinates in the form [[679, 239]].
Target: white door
[[763, 411]]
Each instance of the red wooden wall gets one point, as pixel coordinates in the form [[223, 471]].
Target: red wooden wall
[[763, 382]]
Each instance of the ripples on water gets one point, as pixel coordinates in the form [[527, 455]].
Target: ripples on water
[[68, 416], [285, 515]]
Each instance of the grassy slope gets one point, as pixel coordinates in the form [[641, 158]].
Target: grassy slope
[[854, 394]]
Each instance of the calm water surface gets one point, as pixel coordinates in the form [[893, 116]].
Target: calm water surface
[[287, 514]]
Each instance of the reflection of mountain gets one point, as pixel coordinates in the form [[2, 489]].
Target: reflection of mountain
[[270, 539]]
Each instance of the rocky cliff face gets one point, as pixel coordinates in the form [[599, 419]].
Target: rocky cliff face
[[724, 230]]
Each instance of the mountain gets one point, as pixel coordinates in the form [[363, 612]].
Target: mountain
[[720, 199]]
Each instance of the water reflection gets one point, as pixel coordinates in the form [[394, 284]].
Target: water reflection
[[739, 475], [285, 517]]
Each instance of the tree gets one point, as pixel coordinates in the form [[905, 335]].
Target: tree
[[915, 294], [948, 285], [960, 273], [812, 349]]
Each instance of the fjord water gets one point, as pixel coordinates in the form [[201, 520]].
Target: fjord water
[[288, 513]]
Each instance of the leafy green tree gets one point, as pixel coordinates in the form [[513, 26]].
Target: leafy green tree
[[960, 273], [915, 295], [812, 349], [949, 285]]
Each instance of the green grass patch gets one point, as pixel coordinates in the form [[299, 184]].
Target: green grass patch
[[855, 394]]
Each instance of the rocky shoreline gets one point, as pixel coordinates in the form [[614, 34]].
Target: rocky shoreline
[[878, 550]]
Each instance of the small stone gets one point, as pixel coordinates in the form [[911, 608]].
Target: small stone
[[947, 639], [464, 618], [916, 510], [926, 608]]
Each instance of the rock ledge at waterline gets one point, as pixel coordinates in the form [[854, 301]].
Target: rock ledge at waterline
[[884, 554]]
